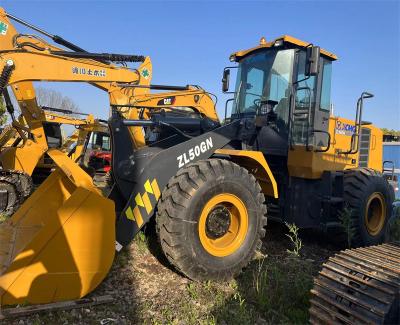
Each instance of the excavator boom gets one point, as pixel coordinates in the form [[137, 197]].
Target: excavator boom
[[67, 216]]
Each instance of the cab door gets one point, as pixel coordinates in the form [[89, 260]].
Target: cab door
[[310, 119], [305, 89], [319, 134]]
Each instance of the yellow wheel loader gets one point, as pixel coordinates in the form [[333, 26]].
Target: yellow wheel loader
[[23, 157], [19, 162], [280, 154], [67, 215]]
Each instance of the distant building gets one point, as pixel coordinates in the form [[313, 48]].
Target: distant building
[[391, 152]]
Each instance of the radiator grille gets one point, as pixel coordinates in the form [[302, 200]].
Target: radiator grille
[[364, 147]]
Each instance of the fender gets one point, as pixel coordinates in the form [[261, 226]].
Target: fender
[[255, 162], [144, 173]]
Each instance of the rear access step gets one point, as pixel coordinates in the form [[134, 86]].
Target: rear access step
[[358, 286]]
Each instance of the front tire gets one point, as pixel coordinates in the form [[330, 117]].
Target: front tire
[[211, 219], [18, 186], [369, 198]]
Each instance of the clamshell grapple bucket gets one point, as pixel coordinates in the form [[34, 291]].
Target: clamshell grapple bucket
[[60, 244]]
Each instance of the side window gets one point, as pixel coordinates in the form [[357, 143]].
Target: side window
[[279, 87], [306, 88], [106, 143], [255, 81], [326, 86], [304, 103]]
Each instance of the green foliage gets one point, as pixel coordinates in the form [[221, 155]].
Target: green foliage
[[3, 217], [3, 111], [260, 282], [390, 132], [281, 290], [272, 290], [346, 220], [238, 297], [294, 238], [141, 242], [192, 290]]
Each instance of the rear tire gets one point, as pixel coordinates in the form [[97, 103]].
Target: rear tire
[[369, 197], [210, 219]]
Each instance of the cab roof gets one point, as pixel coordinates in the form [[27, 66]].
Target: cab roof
[[284, 39]]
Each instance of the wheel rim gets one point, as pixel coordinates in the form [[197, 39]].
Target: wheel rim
[[375, 213], [223, 224]]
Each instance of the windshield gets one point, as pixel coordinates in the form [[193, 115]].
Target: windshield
[[264, 76]]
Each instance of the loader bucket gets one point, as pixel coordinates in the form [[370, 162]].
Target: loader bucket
[[60, 244]]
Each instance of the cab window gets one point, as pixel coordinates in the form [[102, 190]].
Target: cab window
[[326, 86], [255, 82], [306, 87]]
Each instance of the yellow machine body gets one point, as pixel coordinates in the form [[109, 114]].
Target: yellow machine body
[[196, 98], [60, 244], [307, 163], [79, 137], [8, 136], [304, 163], [29, 153]]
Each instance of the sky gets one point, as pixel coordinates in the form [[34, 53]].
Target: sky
[[189, 42]]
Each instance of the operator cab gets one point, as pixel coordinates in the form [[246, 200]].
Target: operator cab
[[283, 95]]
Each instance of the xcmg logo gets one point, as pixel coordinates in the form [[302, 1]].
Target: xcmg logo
[[344, 128]]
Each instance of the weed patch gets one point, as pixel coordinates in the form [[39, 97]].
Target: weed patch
[[346, 220], [3, 217], [276, 290], [141, 242], [293, 235]]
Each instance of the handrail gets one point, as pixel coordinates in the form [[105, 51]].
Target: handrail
[[392, 169], [329, 140], [358, 122], [226, 106]]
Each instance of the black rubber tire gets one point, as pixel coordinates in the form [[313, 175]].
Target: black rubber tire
[[359, 185], [19, 186], [179, 211]]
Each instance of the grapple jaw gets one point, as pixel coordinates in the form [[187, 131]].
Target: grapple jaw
[[60, 244]]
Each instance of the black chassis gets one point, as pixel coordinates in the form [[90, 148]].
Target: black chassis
[[307, 203], [133, 170]]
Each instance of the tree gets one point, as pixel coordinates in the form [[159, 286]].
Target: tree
[[390, 132], [53, 98]]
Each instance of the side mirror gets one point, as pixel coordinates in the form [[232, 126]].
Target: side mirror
[[225, 80], [312, 61]]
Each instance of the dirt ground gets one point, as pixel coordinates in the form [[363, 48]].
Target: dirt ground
[[272, 289]]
